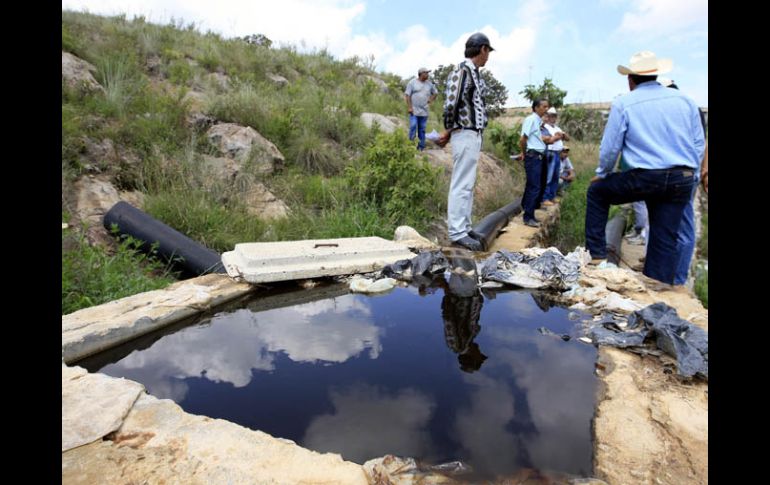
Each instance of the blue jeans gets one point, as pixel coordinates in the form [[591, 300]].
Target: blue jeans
[[552, 178], [418, 123], [685, 242], [533, 165], [666, 193]]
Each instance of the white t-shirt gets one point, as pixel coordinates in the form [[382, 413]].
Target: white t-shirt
[[552, 130]]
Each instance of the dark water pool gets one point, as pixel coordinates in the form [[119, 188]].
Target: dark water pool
[[420, 373]]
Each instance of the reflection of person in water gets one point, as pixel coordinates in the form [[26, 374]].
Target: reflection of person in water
[[461, 310], [461, 325]]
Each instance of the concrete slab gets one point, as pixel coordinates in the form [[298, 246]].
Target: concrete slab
[[291, 260], [94, 329]]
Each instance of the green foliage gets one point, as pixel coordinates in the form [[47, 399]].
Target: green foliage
[[119, 76], [570, 231], [348, 220], [91, 276], [582, 124], [703, 242], [702, 285], [547, 90], [180, 72], [258, 40], [71, 139], [497, 93], [505, 141], [392, 177], [205, 218], [314, 155], [69, 43]]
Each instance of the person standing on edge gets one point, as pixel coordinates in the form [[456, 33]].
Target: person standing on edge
[[554, 157], [659, 135], [465, 117], [685, 238], [419, 93], [532, 144]]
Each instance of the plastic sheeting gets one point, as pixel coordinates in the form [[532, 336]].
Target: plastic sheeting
[[658, 323], [549, 270]]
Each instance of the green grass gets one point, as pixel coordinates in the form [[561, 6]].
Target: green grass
[[91, 276], [703, 242], [570, 231], [702, 285], [205, 219]]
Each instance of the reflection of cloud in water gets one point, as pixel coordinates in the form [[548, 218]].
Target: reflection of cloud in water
[[557, 379], [368, 423], [521, 306], [480, 428], [233, 344], [332, 334]]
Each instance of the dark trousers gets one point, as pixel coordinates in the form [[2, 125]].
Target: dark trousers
[[533, 190], [666, 193]]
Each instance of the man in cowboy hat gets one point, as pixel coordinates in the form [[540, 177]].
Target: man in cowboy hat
[[658, 134]]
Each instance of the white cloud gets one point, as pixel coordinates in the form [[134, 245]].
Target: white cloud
[[534, 13], [319, 23], [328, 331], [653, 18]]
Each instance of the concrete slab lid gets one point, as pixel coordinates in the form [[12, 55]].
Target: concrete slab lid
[[289, 260]]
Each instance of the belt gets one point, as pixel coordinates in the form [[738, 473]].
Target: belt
[[535, 152], [471, 129], [678, 167]]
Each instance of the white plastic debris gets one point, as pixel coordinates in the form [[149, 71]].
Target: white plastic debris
[[368, 285]]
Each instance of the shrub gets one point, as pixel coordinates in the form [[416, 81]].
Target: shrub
[[392, 177]]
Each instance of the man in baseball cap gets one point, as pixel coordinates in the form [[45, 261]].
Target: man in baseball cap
[[419, 93], [477, 40]]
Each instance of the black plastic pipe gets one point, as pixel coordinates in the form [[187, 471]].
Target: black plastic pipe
[[613, 232], [186, 255], [488, 228]]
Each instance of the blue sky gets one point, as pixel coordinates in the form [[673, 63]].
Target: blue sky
[[576, 43]]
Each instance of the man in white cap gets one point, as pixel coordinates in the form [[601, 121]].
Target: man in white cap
[[419, 93], [465, 117], [553, 156], [658, 133]]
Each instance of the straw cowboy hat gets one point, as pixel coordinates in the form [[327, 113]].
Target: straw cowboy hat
[[645, 63]]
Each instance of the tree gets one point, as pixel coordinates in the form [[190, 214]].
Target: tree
[[547, 90], [258, 39], [497, 94]]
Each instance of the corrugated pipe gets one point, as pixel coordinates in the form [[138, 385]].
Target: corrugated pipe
[[613, 232], [186, 255], [491, 224]]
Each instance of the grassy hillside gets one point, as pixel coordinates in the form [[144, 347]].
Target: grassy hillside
[[155, 78]]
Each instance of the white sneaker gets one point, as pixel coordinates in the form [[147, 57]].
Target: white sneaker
[[637, 240]]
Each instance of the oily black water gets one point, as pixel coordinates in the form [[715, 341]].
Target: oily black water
[[421, 373]]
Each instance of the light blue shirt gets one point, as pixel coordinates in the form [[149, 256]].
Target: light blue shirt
[[652, 127], [531, 128]]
